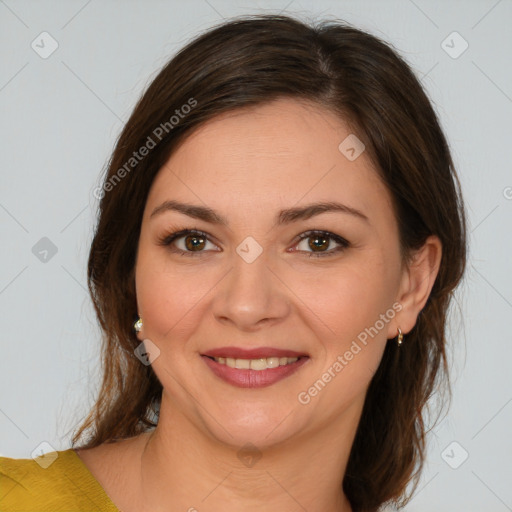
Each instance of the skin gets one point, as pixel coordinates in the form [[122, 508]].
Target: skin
[[247, 165]]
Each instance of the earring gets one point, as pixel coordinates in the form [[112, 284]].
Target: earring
[[138, 325], [400, 337]]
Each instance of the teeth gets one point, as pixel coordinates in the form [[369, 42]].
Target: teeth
[[255, 364]]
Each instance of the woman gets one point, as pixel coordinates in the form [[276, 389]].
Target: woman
[[279, 238]]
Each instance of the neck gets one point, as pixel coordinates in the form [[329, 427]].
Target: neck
[[182, 466]]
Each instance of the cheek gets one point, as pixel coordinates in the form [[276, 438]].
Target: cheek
[[338, 303], [351, 331], [349, 298], [171, 298]]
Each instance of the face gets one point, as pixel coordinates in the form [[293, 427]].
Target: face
[[254, 267]]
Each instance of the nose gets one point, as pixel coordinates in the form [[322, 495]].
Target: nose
[[251, 295]]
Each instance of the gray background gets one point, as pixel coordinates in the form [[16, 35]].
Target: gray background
[[60, 116]]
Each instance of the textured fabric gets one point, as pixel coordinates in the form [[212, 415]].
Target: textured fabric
[[64, 485]]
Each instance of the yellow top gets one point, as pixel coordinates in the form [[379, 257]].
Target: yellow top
[[55, 481]]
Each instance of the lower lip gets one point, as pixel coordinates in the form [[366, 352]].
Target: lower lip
[[253, 378]]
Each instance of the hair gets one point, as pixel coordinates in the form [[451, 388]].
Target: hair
[[250, 61]]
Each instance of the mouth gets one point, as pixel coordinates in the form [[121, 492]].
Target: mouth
[[254, 368], [263, 363]]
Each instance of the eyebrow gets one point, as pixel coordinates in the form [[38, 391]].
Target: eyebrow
[[286, 216]]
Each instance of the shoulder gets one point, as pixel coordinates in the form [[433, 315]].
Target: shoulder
[[116, 466], [54, 481]]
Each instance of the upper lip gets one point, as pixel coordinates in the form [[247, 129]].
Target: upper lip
[[253, 353]]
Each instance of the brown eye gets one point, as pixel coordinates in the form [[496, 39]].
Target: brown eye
[[195, 242], [319, 243], [187, 242]]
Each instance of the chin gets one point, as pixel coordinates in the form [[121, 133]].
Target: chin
[[262, 427]]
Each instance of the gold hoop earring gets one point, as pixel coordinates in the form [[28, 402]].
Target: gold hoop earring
[[400, 337], [138, 325]]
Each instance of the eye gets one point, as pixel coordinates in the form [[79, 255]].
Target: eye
[[187, 242], [192, 242], [320, 241]]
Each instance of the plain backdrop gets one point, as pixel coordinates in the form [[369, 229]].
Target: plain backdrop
[[60, 116]]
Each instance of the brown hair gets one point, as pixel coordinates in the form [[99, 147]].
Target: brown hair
[[248, 61]]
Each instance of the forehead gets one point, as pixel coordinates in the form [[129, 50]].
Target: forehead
[[272, 155]]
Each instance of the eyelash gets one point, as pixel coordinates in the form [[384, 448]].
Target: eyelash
[[169, 238]]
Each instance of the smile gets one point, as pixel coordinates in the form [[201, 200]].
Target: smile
[[254, 373], [256, 364]]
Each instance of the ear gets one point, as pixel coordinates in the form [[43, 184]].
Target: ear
[[416, 283]]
